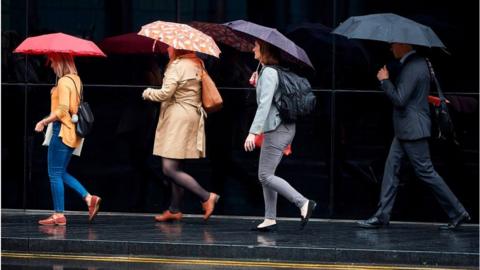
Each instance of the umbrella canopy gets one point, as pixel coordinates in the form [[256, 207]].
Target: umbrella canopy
[[59, 43], [223, 34], [352, 60], [288, 48], [389, 28], [181, 36], [132, 43]]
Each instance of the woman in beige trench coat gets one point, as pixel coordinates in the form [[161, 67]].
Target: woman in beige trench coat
[[180, 131]]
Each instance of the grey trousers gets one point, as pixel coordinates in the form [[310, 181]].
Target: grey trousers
[[418, 154], [270, 155]]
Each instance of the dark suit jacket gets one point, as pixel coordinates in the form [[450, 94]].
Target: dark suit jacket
[[409, 95]]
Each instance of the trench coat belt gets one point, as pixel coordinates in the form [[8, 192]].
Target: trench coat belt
[[201, 122]]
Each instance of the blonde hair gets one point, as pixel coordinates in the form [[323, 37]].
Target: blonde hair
[[62, 64]]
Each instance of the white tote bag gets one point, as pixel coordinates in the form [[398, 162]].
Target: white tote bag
[[48, 138]]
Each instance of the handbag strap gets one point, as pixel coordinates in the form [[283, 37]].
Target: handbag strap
[[76, 89], [204, 70], [434, 79]]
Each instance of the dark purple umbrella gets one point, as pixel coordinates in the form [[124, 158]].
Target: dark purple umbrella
[[223, 34], [290, 51], [132, 43]]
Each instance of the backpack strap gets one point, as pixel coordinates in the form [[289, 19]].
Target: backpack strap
[[76, 89]]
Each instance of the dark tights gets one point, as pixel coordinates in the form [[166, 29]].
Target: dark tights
[[180, 180]]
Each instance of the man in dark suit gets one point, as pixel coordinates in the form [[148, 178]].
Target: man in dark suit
[[411, 121]]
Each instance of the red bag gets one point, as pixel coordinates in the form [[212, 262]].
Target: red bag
[[435, 100], [259, 140]]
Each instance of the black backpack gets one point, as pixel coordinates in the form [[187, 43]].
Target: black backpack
[[296, 95]]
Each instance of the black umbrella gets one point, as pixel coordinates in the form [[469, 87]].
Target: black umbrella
[[389, 28]]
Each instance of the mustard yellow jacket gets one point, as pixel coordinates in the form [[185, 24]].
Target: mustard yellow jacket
[[65, 99]]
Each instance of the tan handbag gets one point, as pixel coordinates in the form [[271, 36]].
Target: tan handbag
[[211, 99]]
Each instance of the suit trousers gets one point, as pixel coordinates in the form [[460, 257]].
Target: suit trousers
[[418, 154]]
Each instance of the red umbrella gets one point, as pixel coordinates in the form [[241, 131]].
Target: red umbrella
[[59, 43], [132, 43]]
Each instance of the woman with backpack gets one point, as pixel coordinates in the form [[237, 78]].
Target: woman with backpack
[[277, 135], [64, 139], [180, 133]]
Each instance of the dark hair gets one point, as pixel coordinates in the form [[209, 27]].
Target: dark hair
[[179, 52], [270, 53]]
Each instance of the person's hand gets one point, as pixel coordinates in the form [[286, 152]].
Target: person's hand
[[145, 94], [382, 74], [253, 79], [249, 144], [40, 126]]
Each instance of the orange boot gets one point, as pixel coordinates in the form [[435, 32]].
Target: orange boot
[[169, 216], [209, 205]]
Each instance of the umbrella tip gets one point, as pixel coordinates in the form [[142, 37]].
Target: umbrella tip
[[446, 51]]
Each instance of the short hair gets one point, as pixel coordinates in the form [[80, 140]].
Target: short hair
[[179, 52]]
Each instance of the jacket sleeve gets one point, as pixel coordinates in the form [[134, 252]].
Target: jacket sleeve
[[407, 82], [266, 87], [170, 84], [65, 87]]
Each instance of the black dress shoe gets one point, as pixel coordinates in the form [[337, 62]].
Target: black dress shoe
[[371, 223], [271, 228], [311, 206], [455, 223]]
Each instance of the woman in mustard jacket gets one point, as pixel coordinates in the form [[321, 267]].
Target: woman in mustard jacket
[[64, 104], [180, 131]]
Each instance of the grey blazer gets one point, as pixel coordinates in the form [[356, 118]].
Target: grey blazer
[[267, 117], [409, 95]]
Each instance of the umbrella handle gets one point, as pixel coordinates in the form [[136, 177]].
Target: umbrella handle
[[153, 46]]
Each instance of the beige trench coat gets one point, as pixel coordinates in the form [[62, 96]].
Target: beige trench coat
[[180, 131]]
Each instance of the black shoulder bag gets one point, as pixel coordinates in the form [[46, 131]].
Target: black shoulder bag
[[85, 115], [443, 124]]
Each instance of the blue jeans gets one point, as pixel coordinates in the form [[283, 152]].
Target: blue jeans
[[59, 156]]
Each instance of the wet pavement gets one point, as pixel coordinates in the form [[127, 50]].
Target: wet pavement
[[227, 238]]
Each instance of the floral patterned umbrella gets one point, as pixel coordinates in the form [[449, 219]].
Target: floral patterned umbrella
[[181, 36], [223, 34]]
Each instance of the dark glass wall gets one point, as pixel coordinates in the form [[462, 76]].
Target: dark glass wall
[[338, 152]]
